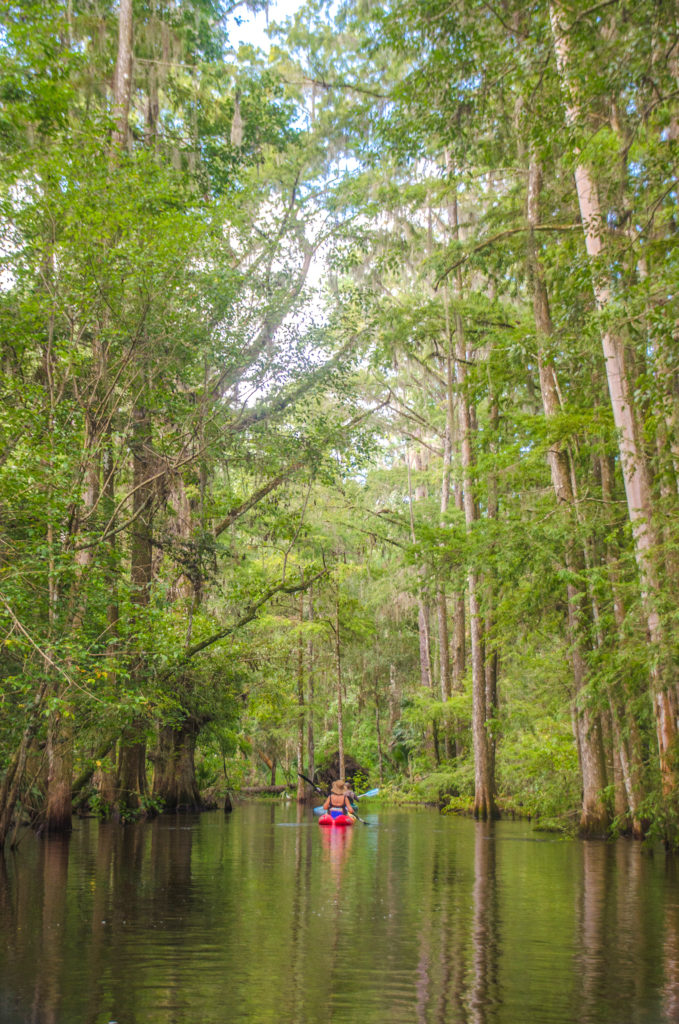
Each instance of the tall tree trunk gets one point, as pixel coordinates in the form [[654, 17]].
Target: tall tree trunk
[[141, 553], [594, 818], [14, 773], [311, 749], [484, 782], [340, 714], [174, 771], [444, 660], [491, 653], [625, 729], [634, 464], [122, 78], [393, 697], [301, 785], [378, 731], [422, 605], [132, 751], [423, 624], [484, 778], [58, 806], [60, 736], [130, 776], [459, 641], [59, 747], [441, 600], [122, 91], [105, 779]]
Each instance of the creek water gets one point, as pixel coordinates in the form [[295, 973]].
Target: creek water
[[261, 916]]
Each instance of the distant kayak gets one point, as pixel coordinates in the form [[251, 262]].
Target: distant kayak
[[341, 820]]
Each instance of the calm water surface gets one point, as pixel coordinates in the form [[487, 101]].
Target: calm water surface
[[262, 917]]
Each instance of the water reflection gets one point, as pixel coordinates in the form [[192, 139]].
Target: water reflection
[[670, 991], [336, 846], [298, 921], [47, 992], [485, 931], [412, 918], [101, 879], [591, 927]]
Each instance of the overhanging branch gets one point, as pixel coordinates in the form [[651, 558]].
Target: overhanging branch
[[248, 616], [500, 237]]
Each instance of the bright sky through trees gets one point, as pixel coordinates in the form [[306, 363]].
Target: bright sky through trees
[[250, 28]]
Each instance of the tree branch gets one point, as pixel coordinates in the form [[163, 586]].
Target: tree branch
[[279, 588], [256, 497], [499, 238]]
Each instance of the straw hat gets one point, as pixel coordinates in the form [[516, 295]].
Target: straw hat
[[338, 787]]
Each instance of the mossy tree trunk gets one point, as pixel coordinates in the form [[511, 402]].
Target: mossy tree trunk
[[174, 775]]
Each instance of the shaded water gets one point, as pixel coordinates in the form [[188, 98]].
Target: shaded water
[[265, 917]]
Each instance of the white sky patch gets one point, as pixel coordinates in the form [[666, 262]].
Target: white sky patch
[[252, 29], [248, 28]]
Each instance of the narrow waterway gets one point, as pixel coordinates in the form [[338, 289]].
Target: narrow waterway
[[262, 916]]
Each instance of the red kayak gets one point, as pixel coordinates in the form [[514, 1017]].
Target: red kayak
[[340, 819]]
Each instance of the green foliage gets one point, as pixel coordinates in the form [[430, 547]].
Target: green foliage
[[221, 488], [538, 770]]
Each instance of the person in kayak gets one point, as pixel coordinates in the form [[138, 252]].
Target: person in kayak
[[351, 796], [337, 802]]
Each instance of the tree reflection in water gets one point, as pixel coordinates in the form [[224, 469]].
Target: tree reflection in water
[[670, 992], [485, 931], [415, 918], [47, 999], [590, 926], [300, 910]]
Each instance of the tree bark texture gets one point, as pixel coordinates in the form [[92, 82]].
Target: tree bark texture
[[378, 732], [340, 713], [414, 461], [174, 775], [635, 469], [484, 781], [441, 598], [459, 631], [594, 818], [626, 738], [14, 774], [311, 747], [132, 752], [58, 809], [301, 785], [58, 804], [484, 776], [131, 777], [122, 77], [492, 659]]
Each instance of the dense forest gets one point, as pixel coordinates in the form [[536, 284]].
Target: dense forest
[[340, 407]]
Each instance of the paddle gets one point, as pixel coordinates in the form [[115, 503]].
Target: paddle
[[371, 792], [313, 784], [318, 790]]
